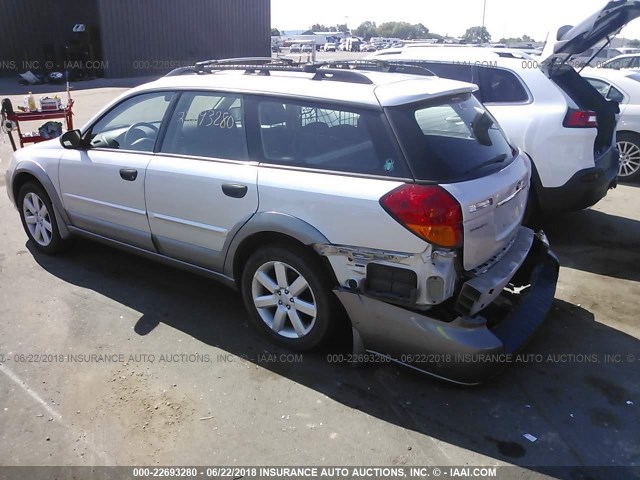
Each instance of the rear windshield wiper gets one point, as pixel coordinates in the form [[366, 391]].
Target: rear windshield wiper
[[499, 159], [480, 127]]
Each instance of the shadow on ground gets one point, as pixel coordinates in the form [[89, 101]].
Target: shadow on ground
[[632, 183], [563, 392], [597, 242]]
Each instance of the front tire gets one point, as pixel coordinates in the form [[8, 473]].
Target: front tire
[[629, 148], [38, 219], [288, 296]]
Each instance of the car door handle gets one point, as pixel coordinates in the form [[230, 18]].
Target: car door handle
[[128, 174], [234, 190]]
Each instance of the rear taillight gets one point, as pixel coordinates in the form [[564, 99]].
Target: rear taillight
[[580, 119], [430, 212]]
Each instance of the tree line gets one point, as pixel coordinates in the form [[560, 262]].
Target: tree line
[[408, 31]]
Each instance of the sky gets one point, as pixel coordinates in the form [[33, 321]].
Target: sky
[[504, 18]]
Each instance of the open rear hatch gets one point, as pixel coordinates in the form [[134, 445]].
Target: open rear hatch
[[569, 41], [601, 25]]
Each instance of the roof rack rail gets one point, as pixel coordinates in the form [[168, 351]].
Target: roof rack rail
[[246, 61], [339, 70], [182, 70], [265, 65], [241, 63], [341, 75], [387, 66]]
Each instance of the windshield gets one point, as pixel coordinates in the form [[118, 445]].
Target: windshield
[[450, 140]]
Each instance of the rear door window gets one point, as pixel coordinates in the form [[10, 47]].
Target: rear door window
[[607, 90], [501, 86], [450, 140], [327, 138], [453, 71]]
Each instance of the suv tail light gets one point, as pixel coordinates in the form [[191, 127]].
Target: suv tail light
[[580, 119], [430, 212]]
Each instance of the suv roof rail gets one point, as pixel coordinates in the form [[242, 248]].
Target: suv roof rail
[[386, 66]]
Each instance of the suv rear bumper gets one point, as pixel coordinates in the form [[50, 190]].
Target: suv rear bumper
[[586, 188], [466, 350]]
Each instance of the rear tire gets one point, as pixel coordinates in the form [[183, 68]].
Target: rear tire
[[629, 147], [38, 219], [289, 297]]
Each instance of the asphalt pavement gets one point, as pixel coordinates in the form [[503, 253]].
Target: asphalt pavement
[[109, 359]]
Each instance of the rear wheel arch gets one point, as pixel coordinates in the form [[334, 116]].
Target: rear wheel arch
[[270, 228], [256, 241], [628, 132]]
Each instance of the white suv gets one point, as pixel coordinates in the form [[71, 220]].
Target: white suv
[[546, 108], [575, 160], [314, 191]]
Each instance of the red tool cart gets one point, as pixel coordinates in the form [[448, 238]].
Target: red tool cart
[[65, 112]]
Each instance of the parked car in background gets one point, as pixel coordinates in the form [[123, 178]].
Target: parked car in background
[[314, 191], [545, 106], [623, 62], [628, 50], [601, 57], [330, 47], [575, 161], [295, 48], [623, 87], [368, 47], [307, 48]]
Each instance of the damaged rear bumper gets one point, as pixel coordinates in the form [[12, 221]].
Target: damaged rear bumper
[[469, 349]]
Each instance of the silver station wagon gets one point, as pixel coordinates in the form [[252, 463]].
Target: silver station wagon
[[382, 196]]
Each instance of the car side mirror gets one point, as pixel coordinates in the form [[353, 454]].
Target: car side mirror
[[71, 140]]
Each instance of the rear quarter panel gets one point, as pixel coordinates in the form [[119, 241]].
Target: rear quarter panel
[[346, 210]]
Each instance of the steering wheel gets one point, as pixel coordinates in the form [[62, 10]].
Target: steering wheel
[[130, 137]]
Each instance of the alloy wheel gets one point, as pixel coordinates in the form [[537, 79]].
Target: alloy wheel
[[629, 158], [284, 299], [37, 218]]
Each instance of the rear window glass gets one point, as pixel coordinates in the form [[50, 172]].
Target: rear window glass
[[328, 138], [450, 140]]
